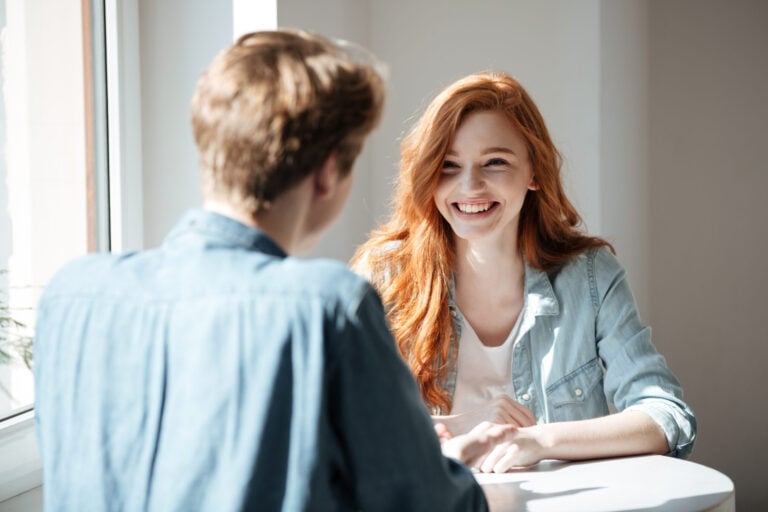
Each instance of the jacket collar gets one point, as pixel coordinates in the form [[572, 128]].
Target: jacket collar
[[539, 295]]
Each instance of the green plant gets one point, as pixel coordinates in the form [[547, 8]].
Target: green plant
[[13, 340]]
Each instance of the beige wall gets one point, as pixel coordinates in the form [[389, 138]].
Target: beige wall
[[178, 39], [708, 211], [348, 20], [624, 181]]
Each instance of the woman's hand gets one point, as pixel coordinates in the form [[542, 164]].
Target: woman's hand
[[629, 432], [523, 449], [474, 447], [503, 410]]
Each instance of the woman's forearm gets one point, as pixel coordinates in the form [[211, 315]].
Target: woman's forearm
[[626, 433]]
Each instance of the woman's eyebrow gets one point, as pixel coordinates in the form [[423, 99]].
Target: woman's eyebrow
[[495, 149], [498, 149]]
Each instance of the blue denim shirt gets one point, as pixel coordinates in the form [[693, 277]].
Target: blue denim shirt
[[217, 373], [582, 348]]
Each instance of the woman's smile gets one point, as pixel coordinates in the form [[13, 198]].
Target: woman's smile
[[473, 208]]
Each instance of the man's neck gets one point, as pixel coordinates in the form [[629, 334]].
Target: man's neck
[[283, 222]]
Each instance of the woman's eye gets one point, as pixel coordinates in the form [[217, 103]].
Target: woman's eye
[[496, 162], [450, 167]]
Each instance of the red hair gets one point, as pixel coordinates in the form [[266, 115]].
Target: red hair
[[410, 259]]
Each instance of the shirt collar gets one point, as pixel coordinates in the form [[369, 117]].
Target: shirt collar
[[204, 228]]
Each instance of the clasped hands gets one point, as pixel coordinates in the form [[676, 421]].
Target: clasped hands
[[492, 438]]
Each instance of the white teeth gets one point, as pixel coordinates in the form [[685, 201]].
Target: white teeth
[[474, 208]]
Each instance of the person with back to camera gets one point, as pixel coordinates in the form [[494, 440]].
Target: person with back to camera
[[502, 308], [217, 372]]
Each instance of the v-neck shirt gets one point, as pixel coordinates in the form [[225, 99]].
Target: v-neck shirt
[[484, 372]]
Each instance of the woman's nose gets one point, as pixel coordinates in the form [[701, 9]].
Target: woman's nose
[[473, 178]]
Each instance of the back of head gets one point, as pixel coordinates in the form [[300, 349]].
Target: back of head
[[273, 106]]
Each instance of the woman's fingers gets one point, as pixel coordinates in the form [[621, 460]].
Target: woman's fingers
[[522, 449], [489, 462], [502, 409], [513, 412], [508, 460], [522, 416], [484, 438]]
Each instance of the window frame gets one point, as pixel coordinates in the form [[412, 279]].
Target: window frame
[[20, 466], [113, 161]]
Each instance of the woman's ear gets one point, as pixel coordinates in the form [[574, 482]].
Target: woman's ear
[[533, 185]]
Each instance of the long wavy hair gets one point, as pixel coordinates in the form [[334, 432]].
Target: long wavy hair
[[410, 259]]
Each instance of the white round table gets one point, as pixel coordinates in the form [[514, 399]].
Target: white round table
[[652, 482]]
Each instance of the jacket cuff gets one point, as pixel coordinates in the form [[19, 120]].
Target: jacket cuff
[[679, 428]]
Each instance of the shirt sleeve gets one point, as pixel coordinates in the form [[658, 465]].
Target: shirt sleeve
[[636, 376], [384, 427]]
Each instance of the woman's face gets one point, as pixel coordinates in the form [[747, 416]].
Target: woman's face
[[485, 176]]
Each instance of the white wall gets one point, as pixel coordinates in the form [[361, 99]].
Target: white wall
[[349, 20], [709, 177], [178, 39]]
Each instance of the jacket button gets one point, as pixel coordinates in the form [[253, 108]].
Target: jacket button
[[578, 392], [526, 397]]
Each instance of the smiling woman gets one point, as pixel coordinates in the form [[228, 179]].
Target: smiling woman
[[504, 308]]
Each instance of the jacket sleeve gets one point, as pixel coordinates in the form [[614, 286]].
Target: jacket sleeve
[[385, 429], [636, 375]]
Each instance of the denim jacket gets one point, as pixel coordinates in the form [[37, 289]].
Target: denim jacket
[[217, 373], [583, 351], [582, 348]]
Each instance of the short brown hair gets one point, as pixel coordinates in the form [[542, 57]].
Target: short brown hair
[[273, 106]]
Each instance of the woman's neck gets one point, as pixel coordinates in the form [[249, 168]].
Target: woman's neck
[[489, 262], [490, 282]]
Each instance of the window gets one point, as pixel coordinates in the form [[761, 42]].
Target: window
[[70, 160], [47, 181], [53, 187]]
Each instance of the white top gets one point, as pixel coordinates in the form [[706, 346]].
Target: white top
[[483, 372]]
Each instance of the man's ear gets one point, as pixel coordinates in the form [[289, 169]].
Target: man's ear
[[326, 176]]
